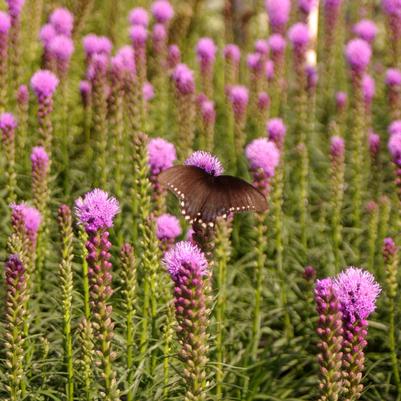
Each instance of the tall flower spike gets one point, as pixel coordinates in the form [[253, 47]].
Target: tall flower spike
[[138, 16], [393, 83], [278, 12], [206, 161], [161, 156], [206, 54], [162, 11], [276, 131], [40, 171], [167, 230], [232, 56], [44, 83], [208, 115], [366, 30], [188, 269], [5, 24], [62, 21], [96, 212], [357, 292], [60, 50], [330, 332]]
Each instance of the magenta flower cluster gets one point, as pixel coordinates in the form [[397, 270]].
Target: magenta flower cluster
[[161, 155], [206, 161]]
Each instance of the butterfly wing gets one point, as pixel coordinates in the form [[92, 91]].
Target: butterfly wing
[[232, 195], [191, 185]]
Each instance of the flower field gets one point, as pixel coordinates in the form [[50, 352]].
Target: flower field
[[200, 200]]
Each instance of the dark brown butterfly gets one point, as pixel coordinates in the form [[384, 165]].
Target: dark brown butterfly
[[204, 197]]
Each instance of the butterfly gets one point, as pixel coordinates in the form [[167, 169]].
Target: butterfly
[[204, 197]]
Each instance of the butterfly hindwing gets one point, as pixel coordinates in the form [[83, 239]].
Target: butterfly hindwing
[[205, 197]]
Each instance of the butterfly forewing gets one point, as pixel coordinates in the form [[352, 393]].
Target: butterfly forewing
[[204, 197]]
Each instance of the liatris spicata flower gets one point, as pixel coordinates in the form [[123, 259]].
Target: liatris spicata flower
[[330, 332], [311, 78], [393, 83], [188, 268], [278, 12], [232, 56], [276, 131], [44, 83], [263, 157], [161, 156], [94, 44], [394, 128], [129, 280], [238, 97], [62, 21], [162, 11], [14, 48], [341, 101], [305, 7], [206, 55], [96, 212], [5, 24], [167, 230], [262, 48], [8, 124], [15, 324], [40, 171], [358, 54], [391, 259], [138, 16], [66, 283], [208, 115], [357, 292], [368, 92], [159, 43], [139, 36], [337, 170], [392, 9], [174, 56], [25, 222], [97, 76], [60, 50], [366, 30], [255, 64], [183, 79]]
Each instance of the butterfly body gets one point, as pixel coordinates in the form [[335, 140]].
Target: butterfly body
[[204, 197]]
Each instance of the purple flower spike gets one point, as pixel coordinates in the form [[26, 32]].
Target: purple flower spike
[[341, 100], [15, 7], [185, 255], [358, 54], [5, 22], [255, 62], [44, 83], [161, 155], [365, 30], [239, 98], [39, 159], [8, 124], [312, 77], [337, 146], [139, 36], [85, 89], [392, 7], [394, 128], [232, 53], [368, 89], [30, 216], [167, 227], [62, 21], [263, 155], [263, 101], [276, 131], [278, 12], [96, 210], [23, 95], [174, 56], [393, 77], [148, 91], [162, 11], [394, 147], [94, 44], [374, 144], [184, 79], [138, 16], [262, 47], [357, 292], [46, 34], [299, 36], [61, 47], [206, 52], [277, 44], [206, 161]]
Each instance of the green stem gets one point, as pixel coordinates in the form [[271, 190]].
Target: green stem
[[393, 349]]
